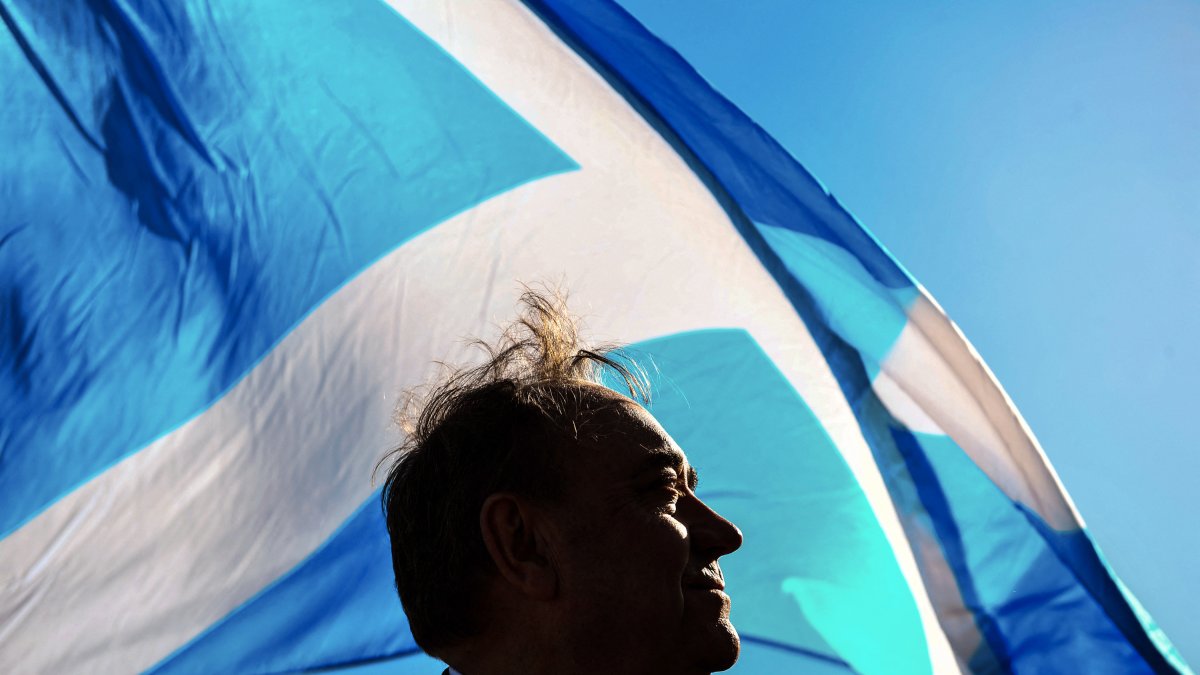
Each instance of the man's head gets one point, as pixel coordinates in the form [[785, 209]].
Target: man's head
[[539, 519]]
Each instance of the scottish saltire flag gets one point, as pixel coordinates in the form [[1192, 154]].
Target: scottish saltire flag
[[233, 231]]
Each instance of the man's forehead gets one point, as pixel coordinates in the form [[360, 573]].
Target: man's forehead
[[622, 427], [620, 414]]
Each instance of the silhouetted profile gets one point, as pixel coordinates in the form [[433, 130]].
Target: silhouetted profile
[[542, 523]]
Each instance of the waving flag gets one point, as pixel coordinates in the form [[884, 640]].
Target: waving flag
[[234, 231]]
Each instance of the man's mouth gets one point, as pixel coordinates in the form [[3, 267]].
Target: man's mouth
[[707, 580]]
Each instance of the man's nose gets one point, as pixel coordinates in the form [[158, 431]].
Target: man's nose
[[711, 533]]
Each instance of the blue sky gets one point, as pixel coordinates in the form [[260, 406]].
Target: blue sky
[[1037, 167]]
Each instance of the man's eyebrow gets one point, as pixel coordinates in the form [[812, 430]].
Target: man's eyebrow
[[668, 458], [662, 458]]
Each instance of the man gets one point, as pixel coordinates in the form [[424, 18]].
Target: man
[[542, 523]]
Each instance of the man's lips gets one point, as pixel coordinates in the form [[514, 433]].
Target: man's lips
[[705, 581]]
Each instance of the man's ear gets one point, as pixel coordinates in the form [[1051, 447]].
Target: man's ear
[[511, 529]]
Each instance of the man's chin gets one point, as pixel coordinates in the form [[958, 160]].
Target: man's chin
[[716, 646], [726, 647]]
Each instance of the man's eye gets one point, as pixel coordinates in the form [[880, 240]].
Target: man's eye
[[666, 491], [671, 490]]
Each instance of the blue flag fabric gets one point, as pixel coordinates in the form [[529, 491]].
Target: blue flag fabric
[[233, 232]]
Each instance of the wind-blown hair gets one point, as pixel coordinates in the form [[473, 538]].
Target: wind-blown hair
[[503, 425]]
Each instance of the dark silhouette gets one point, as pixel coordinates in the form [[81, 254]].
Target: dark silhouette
[[542, 523]]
